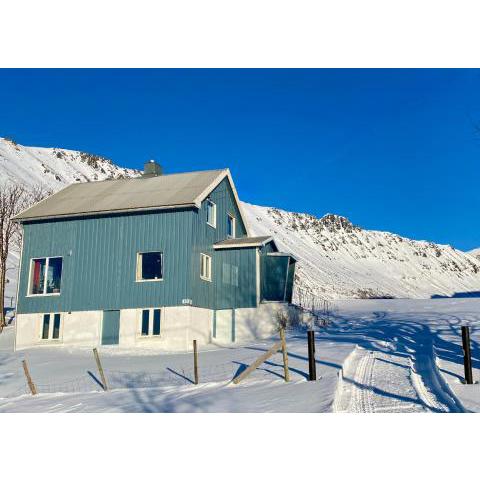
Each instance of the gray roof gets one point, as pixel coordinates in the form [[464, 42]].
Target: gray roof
[[123, 195], [243, 242]]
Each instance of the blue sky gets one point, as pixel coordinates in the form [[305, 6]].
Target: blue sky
[[392, 150]]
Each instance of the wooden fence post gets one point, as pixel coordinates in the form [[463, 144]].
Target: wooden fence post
[[312, 369], [285, 355], [195, 362], [100, 369], [467, 355], [31, 385]]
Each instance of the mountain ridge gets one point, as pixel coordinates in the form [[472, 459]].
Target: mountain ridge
[[337, 259]]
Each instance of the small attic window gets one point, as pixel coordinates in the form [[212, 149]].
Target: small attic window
[[230, 226], [211, 214]]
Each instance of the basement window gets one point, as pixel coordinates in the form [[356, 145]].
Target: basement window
[[151, 321], [211, 214], [51, 326], [205, 267], [45, 276], [230, 226], [149, 266]]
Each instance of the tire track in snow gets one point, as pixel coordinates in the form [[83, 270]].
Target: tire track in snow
[[376, 381]]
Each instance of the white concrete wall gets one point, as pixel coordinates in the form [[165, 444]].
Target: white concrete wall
[[257, 323], [179, 327], [76, 328]]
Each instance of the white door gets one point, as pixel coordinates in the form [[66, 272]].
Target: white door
[[224, 325]]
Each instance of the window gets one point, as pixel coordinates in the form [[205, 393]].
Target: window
[[211, 214], [51, 330], [205, 267], [45, 276], [149, 266], [230, 226], [230, 274], [234, 275], [151, 322]]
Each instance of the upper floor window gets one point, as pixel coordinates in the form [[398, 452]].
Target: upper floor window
[[149, 266], [45, 276], [230, 226], [205, 267], [211, 214]]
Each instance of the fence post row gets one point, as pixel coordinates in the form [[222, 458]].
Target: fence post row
[[31, 385], [467, 355], [100, 369], [312, 368], [195, 362]]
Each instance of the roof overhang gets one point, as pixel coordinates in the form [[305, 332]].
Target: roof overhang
[[103, 212], [241, 243], [282, 254]]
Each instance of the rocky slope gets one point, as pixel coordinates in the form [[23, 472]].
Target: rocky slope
[[340, 260]]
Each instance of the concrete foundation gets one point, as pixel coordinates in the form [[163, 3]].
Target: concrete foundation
[[179, 327]]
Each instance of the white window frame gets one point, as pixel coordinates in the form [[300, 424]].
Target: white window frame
[[50, 327], [208, 267], [214, 224], [29, 286], [138, 270], [150, 335], [234, 226]]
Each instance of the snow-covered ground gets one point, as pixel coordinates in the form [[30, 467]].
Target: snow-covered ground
[[377, 356]]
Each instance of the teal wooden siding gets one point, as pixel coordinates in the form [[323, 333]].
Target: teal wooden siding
[[99, 261], [100, 253], [235, 285], [213, 294]]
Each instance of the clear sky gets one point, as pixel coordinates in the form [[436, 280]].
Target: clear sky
[[392, 150]]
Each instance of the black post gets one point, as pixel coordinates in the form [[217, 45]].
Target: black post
[[312, 369], [467, 355]]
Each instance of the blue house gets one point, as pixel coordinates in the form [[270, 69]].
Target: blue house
[[157, 260]]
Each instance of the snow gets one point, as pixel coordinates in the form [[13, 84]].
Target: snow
[[475, 252], [376, 356], [340, 260]]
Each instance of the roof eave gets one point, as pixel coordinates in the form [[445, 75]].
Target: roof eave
[[104, 212]]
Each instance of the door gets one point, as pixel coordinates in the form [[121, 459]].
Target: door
[[110, 327], [224, 326]]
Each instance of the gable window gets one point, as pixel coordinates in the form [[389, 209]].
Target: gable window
[[230, 226], [205, 267], [51, 326], [45, 276], [149, 266], [211, 214], [151, 321]]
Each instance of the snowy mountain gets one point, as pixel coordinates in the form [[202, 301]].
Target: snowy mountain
[[475, 252], [336, 259], [54, 167], [340, 260]]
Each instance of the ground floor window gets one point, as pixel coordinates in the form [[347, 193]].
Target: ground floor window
[[51, 326], [151, 322]]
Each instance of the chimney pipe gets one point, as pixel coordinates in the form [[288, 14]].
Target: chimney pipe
[[152, 169]]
